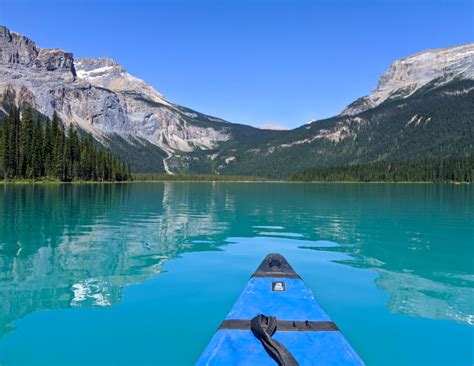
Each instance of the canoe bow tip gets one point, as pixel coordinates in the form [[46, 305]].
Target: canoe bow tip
[[275, 265]]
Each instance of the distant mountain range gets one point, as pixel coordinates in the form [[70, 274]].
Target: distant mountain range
[[422, 107]]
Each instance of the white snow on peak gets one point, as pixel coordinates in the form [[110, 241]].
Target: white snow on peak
[[109, 74]]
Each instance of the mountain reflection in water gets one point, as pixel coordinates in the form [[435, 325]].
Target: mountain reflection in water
[[64, 246]]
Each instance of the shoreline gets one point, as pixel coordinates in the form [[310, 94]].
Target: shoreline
[[52, 182]]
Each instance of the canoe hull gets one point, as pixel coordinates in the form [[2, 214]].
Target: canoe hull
[[293, 301]]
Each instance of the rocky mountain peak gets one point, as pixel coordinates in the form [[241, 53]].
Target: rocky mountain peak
[[90, 63], [102, 98], [53, 59], [407, 75], [16, 49], [108, 73]]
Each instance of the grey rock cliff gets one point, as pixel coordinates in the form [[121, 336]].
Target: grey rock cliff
[[98, 96], [407, 75]]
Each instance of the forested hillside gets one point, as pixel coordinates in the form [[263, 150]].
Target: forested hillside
[[434, 123], [33, 146], [455, 169], [422, 108]]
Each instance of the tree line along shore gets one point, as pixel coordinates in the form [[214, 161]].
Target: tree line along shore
[[35, 148], [452, 169]]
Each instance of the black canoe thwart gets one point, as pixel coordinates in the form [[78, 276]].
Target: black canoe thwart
[[284, 325], [275, 265]]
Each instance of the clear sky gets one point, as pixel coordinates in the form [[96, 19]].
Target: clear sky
[[253, 62]]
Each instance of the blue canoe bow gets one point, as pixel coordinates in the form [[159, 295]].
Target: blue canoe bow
[[303, 329]]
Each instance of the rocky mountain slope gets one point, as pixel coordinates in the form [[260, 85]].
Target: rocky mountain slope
[[422, 107], [407, 75], [435, 122], [100, 97]]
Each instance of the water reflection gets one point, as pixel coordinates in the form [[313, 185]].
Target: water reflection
[[423, 297], [69, 245], [79, 245]]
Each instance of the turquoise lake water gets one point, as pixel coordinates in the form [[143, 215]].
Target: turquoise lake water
[[143, 273]]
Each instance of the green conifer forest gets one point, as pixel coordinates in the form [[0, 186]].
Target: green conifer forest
[[34, 147], [452, 169]]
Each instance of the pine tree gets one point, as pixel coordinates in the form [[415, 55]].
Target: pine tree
[[74, 152], [48, 148], [26, 140], [129, 172], [16, 141], [88, 158], [100, 165], [1, 153], [10, 144], [57, 143], [6, 150], [37, 165], [58, 154], [66, 159]]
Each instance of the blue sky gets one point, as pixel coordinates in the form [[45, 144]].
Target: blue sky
[[253, 62]]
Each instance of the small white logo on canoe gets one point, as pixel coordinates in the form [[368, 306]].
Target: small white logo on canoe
[[278, 286]]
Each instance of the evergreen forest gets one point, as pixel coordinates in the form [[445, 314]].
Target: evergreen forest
[[35, 147]]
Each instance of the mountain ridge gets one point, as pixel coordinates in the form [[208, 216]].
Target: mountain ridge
[[101, 98], [127, 115], [406, 75]]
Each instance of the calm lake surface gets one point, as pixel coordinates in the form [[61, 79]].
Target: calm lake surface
[[143, 273]]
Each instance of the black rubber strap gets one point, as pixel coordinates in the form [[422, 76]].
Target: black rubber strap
[[263, 328], [284, 325]]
